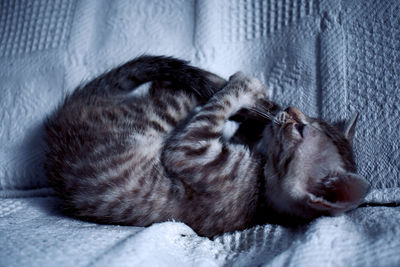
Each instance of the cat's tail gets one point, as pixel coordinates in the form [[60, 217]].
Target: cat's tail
[[146, 68]]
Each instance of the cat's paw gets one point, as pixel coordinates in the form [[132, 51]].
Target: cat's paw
[[248, 85], [238, 76]]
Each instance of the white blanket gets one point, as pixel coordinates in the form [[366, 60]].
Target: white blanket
[[329, 58], [33, 232]]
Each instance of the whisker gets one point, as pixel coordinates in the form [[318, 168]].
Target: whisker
[[265, 115], [261, 113]]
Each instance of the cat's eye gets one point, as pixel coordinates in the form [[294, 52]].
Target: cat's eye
[[300, 128]]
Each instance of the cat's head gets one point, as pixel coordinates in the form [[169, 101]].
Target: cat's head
[[310, 169]]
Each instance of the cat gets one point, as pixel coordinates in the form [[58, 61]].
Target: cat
[[118, 158]]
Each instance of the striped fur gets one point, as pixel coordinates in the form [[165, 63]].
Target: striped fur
[[136, 160]]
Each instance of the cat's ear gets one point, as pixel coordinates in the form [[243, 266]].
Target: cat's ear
[[350, 128], [336, 193]]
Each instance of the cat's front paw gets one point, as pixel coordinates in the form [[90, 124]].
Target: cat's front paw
[[238, 76], [248, 85]]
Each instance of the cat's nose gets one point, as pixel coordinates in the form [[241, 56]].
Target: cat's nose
[[295, 114]]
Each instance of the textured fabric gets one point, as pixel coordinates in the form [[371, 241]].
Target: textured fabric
[[328, 58], [34, 233]]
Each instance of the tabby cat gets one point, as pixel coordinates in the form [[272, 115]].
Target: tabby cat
[[120, 158]]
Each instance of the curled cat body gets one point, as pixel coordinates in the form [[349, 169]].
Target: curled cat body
[[119, 158]]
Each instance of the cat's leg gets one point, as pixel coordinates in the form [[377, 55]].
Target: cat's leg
[[198, 151]]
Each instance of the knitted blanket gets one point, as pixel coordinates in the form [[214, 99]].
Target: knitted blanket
[[328, 58]]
